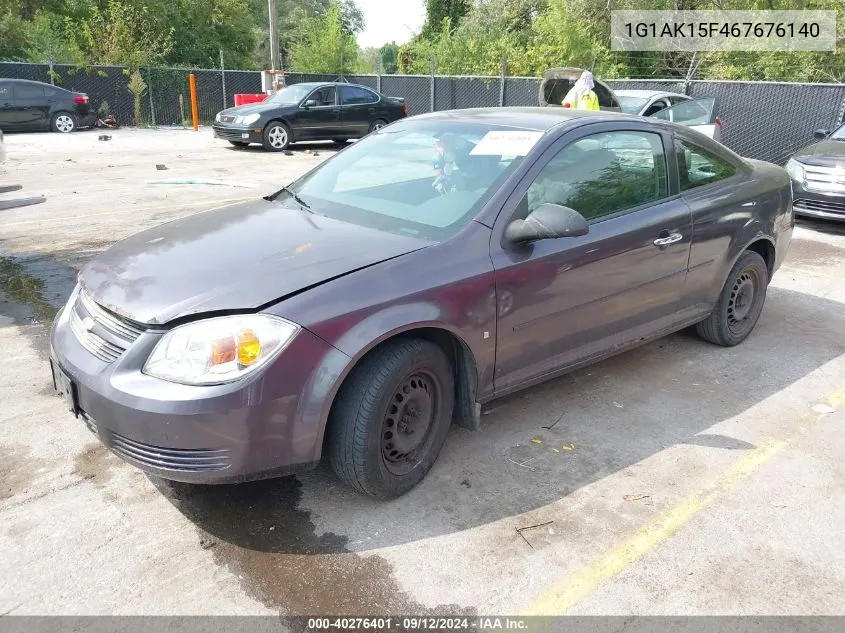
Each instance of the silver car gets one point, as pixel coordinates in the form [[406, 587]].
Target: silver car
[[701, 114]]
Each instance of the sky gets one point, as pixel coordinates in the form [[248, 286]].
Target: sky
[[390, 20]]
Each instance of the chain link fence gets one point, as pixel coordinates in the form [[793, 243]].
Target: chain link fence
[[761, 120]]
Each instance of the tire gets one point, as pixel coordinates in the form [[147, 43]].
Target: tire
[[239, 144], [276, 136], [405, 387], [64, 123], [377, 125], [740, 303]]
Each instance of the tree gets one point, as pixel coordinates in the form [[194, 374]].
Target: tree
[[436, 11], [123, 34], [389, 57], [324, 45], [201, 29], [13, 36]]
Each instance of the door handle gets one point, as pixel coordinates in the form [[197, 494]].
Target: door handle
[[669, 239]]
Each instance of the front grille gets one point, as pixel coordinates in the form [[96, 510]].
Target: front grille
[[103, 333], [819, 206], [230, 135], [822, 178], [183, 460], [98, 346]]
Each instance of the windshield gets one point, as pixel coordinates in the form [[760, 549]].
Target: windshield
[[291, 94], [421, 178], [631, 105]]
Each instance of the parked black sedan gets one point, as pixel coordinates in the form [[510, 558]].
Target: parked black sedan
[[408, 280], [309, 112], [818, 176], [31, 105]]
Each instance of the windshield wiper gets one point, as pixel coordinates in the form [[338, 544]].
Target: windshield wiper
[[296, 197]]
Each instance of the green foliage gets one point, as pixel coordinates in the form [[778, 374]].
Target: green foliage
[[138, 87], [389, 54], [105, 109], [324, 45], [437, 11]]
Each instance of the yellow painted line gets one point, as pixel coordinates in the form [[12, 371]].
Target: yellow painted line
[[65, 218], [562, 596]]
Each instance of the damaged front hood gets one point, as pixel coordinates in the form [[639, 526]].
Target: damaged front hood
[[240, 257]]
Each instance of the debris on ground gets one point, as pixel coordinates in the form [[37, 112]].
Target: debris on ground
[[200, 181], [534, 440], [618, 405], [104, 137], [635, 497], [823, 409], [560, 417], [531, 527], [161, 167], [207, 543], [568, 447], [315, 153], [465, 483], [108, 122], [287, 152]]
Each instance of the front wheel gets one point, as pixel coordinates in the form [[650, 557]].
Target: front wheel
[[63, 122], [276, 136], [391, 418], [740, 303]]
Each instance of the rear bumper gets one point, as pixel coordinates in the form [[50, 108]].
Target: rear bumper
[[251, 429], [239, 134]]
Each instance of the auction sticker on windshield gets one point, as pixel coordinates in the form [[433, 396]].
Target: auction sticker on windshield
[[506, 143]]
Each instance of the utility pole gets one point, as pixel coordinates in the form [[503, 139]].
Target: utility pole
[[274, 34]]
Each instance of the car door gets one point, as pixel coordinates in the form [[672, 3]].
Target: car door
[[566, 300], [8, 114], [699, 114], [321, 121], [32, 108], [358, 110]]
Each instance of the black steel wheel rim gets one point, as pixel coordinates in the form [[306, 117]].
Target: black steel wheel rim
[[409, 422], [743, 304]]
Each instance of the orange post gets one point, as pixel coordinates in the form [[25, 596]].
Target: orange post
[[192, 81]]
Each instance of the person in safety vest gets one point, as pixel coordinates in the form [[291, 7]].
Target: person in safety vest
[[581, 95]]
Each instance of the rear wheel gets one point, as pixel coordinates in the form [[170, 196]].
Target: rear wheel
[[391, 418], [239, 144], [377, 125], [740, 303], [63, 122], [276, 136]]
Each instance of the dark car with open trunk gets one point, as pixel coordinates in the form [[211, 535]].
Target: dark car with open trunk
[[437, 264]]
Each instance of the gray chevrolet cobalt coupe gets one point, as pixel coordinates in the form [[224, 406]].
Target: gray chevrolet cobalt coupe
[[439, 263]]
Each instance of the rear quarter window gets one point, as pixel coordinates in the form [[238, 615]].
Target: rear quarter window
[[698, 167]]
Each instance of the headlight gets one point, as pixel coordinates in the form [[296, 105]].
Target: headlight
[[219, 350], [247, 119], [795, 170], [217, 117]]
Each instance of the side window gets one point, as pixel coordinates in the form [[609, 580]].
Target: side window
[[324, 96], [656, 107], [677, 100], [603, 174], [697, 166], [352, 95], [28, 91], [5, 93]]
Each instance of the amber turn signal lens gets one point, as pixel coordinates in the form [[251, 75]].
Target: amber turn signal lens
[[222, 351], [249, 347]]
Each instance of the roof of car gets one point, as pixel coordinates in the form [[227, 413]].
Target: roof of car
[[648, 94], [534, 118]]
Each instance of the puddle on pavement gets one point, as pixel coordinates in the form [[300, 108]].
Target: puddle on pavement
[[94, 463], [257, 531], [17, 470], [812, 253], [19, 287]]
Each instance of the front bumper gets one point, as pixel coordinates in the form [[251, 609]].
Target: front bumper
[[238, 134], [239, 431], [817, 204]]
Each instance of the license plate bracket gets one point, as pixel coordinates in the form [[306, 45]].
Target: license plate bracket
[[65, 388]]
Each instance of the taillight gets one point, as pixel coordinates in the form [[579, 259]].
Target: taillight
[[80, 98], [405, 108], [718, 121]]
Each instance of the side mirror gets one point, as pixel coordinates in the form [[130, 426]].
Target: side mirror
[[311, 103], [821, 134], [545, 222]]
